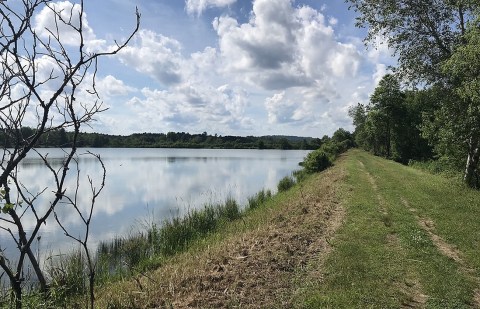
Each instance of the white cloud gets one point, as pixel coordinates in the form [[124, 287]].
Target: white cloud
[[333, 21], [60, 14], [155, 55], [283, 46], [284, 109], [191, 107], [380, 71], [198, 6], [110, 86], [284, 69]]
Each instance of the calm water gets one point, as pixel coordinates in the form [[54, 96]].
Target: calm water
[[152, 184]]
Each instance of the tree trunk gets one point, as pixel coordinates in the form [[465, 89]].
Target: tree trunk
[[16, 292], [472, 163], [388, 144]]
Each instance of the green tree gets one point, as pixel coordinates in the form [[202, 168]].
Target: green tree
[[285, 144], [358, 114], [422, 34], [388, 101], [434, 46], [462, 118]]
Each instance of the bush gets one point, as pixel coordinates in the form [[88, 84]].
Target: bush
[[316, 161], [285, 183], [300, 175]]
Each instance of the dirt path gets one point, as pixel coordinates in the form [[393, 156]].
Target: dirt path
[[256, 269], [417, 298], [446, 249]]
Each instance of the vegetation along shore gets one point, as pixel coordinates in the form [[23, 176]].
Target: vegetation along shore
[[359, 231], [390, 224], [365, 233]]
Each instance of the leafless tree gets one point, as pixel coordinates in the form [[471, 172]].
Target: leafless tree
[[42, 72]]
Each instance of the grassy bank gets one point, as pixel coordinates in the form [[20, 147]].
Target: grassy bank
[[145, 250], [250, 262], [365, 233], [411, 239]]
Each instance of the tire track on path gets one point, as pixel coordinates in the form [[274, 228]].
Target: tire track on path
[[417, 298], [445, 248]]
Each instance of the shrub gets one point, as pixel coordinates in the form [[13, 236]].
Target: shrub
[[316, 161], [285, 183], [300, 175]]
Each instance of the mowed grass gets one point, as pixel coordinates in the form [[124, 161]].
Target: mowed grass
[[392, 250], [408, 239]]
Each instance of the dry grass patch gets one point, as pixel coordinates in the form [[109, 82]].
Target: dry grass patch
[[253, 264]]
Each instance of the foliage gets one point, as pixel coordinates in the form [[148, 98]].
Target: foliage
[[285, 183], [422, 34], [316, 161], [259, 199], [389, 125], [437, 45], [62, 138], [323, 157], [461, 119]]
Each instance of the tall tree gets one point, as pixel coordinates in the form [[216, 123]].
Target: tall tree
[[464, 68], [389, 125], [424, 36], [387, 100]]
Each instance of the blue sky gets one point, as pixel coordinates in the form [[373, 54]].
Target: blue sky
[[231, 67]]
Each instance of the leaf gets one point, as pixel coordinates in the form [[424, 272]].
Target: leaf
[[7, 207]]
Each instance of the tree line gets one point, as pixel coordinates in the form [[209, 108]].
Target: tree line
[[429, 107], [59, 137]]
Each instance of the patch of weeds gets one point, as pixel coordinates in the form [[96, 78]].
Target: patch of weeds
[[230, 210], [68, 278], [259, 199]]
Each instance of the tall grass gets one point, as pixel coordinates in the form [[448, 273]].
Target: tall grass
[[68, 276], [122, 256], [259, 199], [143, 250]]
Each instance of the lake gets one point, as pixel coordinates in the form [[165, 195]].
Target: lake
[[145, 185]]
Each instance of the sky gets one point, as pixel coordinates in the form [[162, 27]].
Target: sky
[[229, 67]]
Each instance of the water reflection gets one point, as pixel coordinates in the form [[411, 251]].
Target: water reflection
[[145, 183]]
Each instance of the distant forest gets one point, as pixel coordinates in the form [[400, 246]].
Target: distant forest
[[62, 138]]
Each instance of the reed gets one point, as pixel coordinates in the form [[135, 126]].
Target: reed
[[259, 199], [124, 256]]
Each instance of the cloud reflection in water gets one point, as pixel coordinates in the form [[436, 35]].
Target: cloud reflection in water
[[154, 182]]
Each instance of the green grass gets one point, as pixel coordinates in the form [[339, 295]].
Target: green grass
[[382, 256], [142, 251], [145, 250], [124, 256]]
